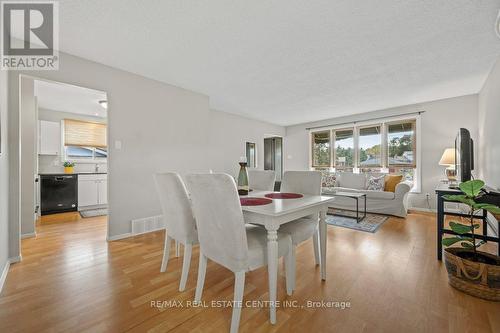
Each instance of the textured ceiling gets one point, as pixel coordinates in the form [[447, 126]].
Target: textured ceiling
[[287, 61], [68, 98]]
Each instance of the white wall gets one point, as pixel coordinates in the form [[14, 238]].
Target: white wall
[[161, 127], [28, 156], [4, 176], [228, 136], [489, 125], [439, 123]]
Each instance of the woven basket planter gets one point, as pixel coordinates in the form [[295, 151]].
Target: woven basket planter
[[476, 279]]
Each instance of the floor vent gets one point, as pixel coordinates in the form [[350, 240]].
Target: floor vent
[[147, 224]]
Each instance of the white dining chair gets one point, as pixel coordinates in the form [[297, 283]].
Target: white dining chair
[[179, 220], [223, 235], [303, 182], [262, 180]]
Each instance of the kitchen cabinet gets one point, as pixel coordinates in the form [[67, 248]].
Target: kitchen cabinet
[[49, 137], [92, 190]]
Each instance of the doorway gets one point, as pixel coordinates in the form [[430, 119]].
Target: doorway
[[64, 154], [273, 156]]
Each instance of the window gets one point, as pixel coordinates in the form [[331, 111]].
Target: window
[[344, 149], [84, 141], [370, 147], [386, 146], [401, 144], [321, 152], [250, 152]]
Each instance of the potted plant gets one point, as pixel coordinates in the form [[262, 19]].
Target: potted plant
[[474, 272], [69, 167]]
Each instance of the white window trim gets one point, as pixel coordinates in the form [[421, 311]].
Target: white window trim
[[417, 183]]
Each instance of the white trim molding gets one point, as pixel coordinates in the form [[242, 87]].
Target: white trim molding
[[5, 271], [28, 235]]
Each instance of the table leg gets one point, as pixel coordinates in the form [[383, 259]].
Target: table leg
[[322, 242], [272, 269], [440, 225]]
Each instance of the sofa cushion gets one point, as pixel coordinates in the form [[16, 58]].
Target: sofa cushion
[[328, 179], [375, 183], [391, 181], [370, 194], [352, 180]]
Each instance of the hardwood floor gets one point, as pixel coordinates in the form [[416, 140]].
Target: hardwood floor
[[72, 280]]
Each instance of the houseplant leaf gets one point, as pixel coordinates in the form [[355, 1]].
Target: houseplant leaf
[[451, 240], [460, 228], [472, 187], [459, 198]]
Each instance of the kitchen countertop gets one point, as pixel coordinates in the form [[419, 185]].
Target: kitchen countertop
[[74, 173]]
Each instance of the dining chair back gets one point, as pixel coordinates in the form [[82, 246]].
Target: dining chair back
[[262, 180], [179, 220], [219, 219], [304, 182]]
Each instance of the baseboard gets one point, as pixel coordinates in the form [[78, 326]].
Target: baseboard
[[424, 210], [118, 237], [14, 260], [5, 271], [28, 235]]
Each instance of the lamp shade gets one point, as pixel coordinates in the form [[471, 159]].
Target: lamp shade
[[448, 157]]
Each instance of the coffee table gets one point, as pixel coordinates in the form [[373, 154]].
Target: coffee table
[[355, 196]]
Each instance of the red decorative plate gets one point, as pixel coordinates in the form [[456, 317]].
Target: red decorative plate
[[249, 201], [284, 195]]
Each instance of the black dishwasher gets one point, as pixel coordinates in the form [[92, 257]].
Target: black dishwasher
[[58, 193]]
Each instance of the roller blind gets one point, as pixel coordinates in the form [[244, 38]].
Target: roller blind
[[84, 134]]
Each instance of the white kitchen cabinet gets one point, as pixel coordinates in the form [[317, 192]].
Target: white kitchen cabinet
[[49, 137], [102, 192], [92, 190]]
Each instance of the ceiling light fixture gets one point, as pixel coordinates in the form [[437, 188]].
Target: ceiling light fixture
[[104, 104]]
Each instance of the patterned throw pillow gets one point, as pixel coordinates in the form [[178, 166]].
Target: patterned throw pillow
[[328, 179], [376, 183]]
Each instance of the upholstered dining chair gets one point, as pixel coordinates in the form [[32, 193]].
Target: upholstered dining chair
[[179, 220], [223, 235], [303, 182], [261, 180]]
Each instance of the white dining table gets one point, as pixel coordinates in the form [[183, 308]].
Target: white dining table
[[277, 213]]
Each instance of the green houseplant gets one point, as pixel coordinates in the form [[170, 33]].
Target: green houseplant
[[470, 270], [68, 167]]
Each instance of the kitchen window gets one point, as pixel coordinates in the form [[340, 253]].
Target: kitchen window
[[84, 141]]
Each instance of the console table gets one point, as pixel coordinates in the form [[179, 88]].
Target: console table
[[442, 190]]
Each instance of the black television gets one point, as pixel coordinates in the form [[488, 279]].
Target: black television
[[464, 155]]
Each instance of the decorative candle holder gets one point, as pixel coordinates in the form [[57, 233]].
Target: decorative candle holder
[[243, 178]]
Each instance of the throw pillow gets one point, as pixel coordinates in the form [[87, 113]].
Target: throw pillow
[[391, 181], [328, 180], [376, 183]]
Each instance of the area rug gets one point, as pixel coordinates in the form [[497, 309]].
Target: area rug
[[94, 212], [370, 223]]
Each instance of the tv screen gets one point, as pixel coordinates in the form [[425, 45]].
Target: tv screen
[[464, 155]]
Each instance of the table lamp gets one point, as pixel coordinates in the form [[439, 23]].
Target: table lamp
[[448, 159]]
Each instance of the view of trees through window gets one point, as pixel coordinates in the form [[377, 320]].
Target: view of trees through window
[[344, 148], [400, 140], [370, 143], [370, 148], [321, 149]]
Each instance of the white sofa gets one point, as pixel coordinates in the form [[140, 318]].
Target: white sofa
[[382, 202]]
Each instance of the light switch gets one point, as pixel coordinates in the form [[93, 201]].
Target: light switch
[[118, 144]]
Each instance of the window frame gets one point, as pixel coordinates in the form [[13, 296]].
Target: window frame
[[358, 159], [334, 152], [384, 167], [312, 149], [414, 149]]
